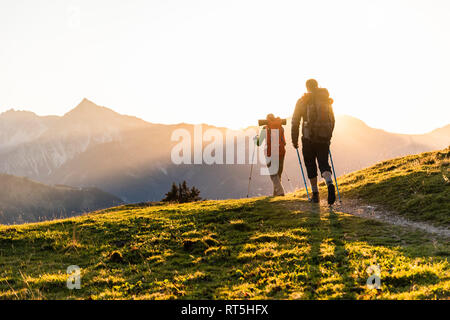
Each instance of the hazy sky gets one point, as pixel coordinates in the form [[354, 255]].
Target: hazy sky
[[229, 62]]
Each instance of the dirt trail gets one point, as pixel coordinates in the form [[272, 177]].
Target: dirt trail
[[360, 209]]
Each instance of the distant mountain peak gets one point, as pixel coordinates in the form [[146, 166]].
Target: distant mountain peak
[[13, 114], [88, 108], [88, 112], [86, 101], [86, 104]]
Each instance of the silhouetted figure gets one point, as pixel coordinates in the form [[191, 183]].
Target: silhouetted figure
[[315, 108], [274, 124]]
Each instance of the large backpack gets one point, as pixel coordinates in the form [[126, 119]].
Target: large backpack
[[319, 123], [271, 125]]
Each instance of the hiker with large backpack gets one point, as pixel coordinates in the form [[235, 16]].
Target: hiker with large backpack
[[266, 134], [315, 109]]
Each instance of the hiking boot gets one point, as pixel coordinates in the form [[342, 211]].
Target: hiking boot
[[315, 197], [331, 194]]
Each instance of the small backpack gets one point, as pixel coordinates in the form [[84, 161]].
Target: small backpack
[[319, 123]]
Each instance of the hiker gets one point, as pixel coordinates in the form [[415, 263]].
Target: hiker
[[274, 124], [315, 108]]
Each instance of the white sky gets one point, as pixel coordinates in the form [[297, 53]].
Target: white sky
[[229, 62]]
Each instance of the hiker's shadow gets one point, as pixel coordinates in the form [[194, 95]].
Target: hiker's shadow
[[315, 241], [325, 230], [337, 236]]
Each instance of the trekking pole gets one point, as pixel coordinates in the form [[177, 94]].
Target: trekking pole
[[251, 166], [334, 174], [303, 175]]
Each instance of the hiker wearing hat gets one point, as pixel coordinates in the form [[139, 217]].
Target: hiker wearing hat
[[315, 108], [267, 132]]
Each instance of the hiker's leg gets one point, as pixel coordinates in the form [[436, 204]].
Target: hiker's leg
[[280, 172], [327, 176], [309, 155], [315, 190], [277, 187], [322, 158], [313, 182], [276, 178]]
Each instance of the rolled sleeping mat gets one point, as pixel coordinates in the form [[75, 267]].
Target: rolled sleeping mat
[[264, 122]]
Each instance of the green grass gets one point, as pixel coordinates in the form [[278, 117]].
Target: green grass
[[261, 248], [417, 186]]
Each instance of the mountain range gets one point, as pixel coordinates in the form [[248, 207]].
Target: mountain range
[[23, 200], [93, 146]]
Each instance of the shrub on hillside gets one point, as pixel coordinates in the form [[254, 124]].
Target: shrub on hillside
[[181, 193]]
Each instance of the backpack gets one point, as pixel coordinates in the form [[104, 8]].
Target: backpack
[[319, 123], [276, 124]]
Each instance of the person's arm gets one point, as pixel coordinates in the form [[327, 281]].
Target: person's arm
[[295, 124], [259, 140]]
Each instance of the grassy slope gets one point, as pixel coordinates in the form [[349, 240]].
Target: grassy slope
[[280, 248], [255, 248], [416, 186]]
